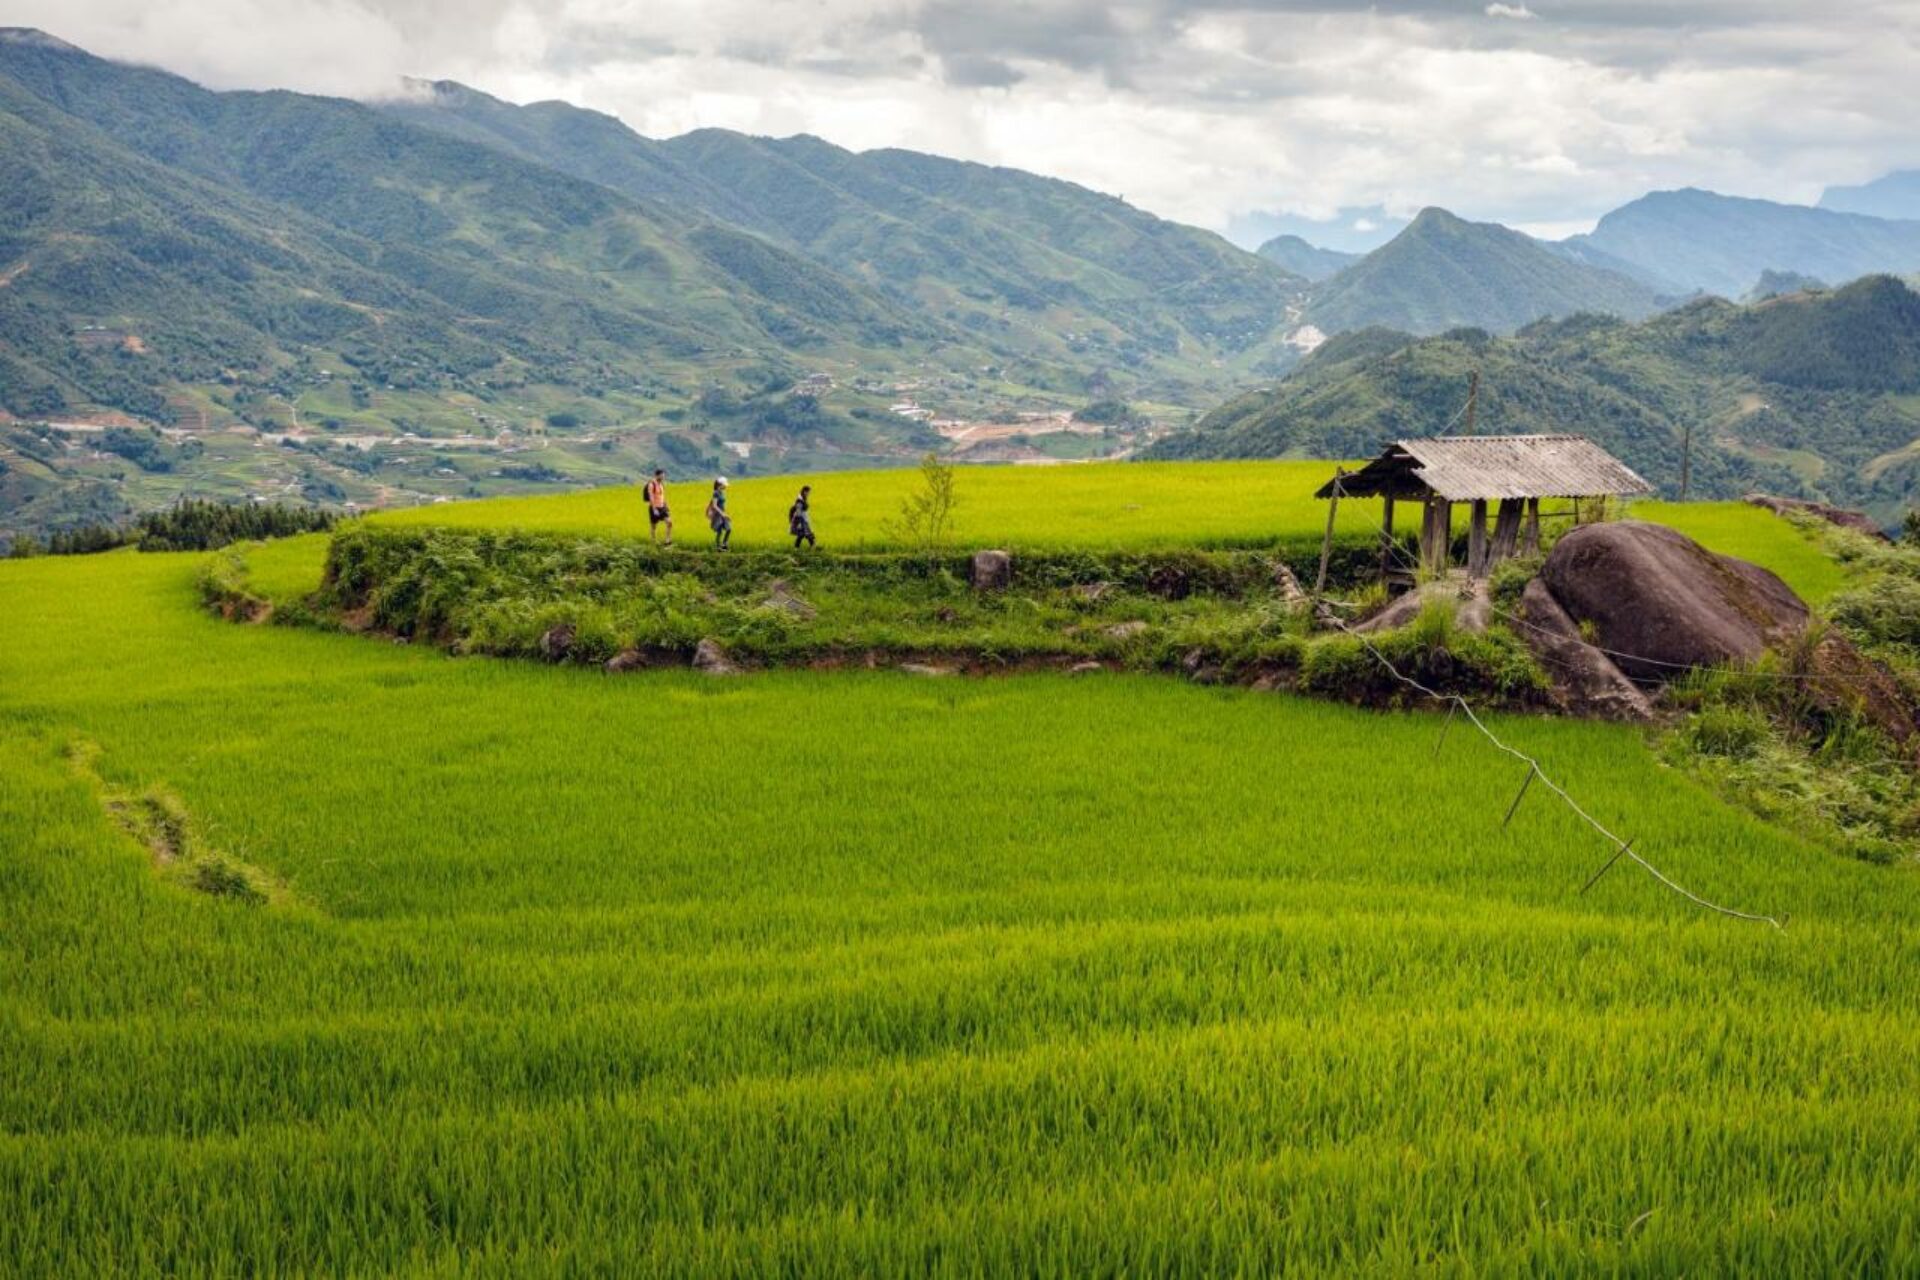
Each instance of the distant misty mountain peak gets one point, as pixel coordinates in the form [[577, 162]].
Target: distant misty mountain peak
[[1895, 195]]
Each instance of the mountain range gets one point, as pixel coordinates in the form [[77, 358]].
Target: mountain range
[[444, 294], [1816, 394]]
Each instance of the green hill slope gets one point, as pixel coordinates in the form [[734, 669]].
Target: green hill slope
[[1304, 259], [1808, 393], [1028, 263], [1443, 272]]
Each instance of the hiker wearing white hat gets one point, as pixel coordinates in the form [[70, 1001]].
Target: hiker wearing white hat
[[717, 517]]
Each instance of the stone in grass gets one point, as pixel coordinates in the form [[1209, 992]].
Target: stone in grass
[[925, 669], [990, 571], [1086, 668], [1093, 592], [783, 598], [710, 659], [1126, 630], [557, 642], [626, 660]]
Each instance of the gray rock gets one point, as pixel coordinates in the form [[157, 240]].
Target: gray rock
[[1126, 630], [626, 660], [557, 642], [1085, 668], [710, 659], [1471, 611], [925, 669], [1170, 582], [1660, 603], [783, 598], [1585, 680], [990, 571]]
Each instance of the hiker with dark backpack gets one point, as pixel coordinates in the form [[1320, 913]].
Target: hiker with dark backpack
[[800, 519], [657, 512], [717, 517]]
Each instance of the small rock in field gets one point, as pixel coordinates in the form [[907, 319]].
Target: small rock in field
[[711, 659], [1170, 582], [626, 660], [1195, 659], [1208, 674], [990, 571], [1085, 668], [782, 596], [925, 669], [557, 642], [1126, 630], [1093, 592]]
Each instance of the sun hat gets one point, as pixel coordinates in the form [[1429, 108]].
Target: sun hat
[[721, 481]]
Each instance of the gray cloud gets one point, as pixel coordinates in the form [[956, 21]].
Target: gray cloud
[[1225, 113]]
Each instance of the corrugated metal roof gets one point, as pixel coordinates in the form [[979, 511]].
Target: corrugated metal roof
[[1476, 468]]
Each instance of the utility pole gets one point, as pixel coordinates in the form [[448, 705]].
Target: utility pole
[[1686, 463], [1473, 399]]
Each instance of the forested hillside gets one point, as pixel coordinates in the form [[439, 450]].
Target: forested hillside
[[998, 251], [1443, 272], [279, 294], [1811, 393]]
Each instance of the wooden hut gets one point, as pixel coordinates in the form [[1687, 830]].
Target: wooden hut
[[1514, 471]]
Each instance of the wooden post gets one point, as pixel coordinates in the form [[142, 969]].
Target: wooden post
[[1686, 463], [1477, 540], [1386, 538], [1506, 530], [1530, 540], [1437, 543], [1326, 543]]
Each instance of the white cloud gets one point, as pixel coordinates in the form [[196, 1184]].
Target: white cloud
[[1201, 111]]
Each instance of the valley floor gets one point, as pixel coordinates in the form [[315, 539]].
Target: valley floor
[[869, 974]]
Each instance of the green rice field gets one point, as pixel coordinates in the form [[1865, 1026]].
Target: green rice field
[[868, 974], [1091, 505]]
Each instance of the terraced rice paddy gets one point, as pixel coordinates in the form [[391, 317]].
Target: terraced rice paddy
[[868, 974], [1097, 504]]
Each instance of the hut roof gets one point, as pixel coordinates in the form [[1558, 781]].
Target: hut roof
[[1475, 468]]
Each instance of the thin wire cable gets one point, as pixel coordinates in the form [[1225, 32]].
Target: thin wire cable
[[1623, 847]]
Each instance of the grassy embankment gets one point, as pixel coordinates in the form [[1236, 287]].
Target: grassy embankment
[[1134, 505], [875, 974]]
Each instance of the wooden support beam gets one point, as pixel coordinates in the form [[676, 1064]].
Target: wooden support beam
[[1436, 541], [1477, 540], [1506, 530], [1530, 537], [1326, 543], [1386, 538]]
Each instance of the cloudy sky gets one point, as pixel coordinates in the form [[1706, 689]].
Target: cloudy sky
[[1543, 114]]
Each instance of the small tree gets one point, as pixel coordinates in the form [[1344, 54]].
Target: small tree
[[927, 514], [1910, 528]]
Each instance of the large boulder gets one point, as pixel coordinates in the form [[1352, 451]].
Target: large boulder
[[1660, 603], [1585, 681], [990, 571]]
